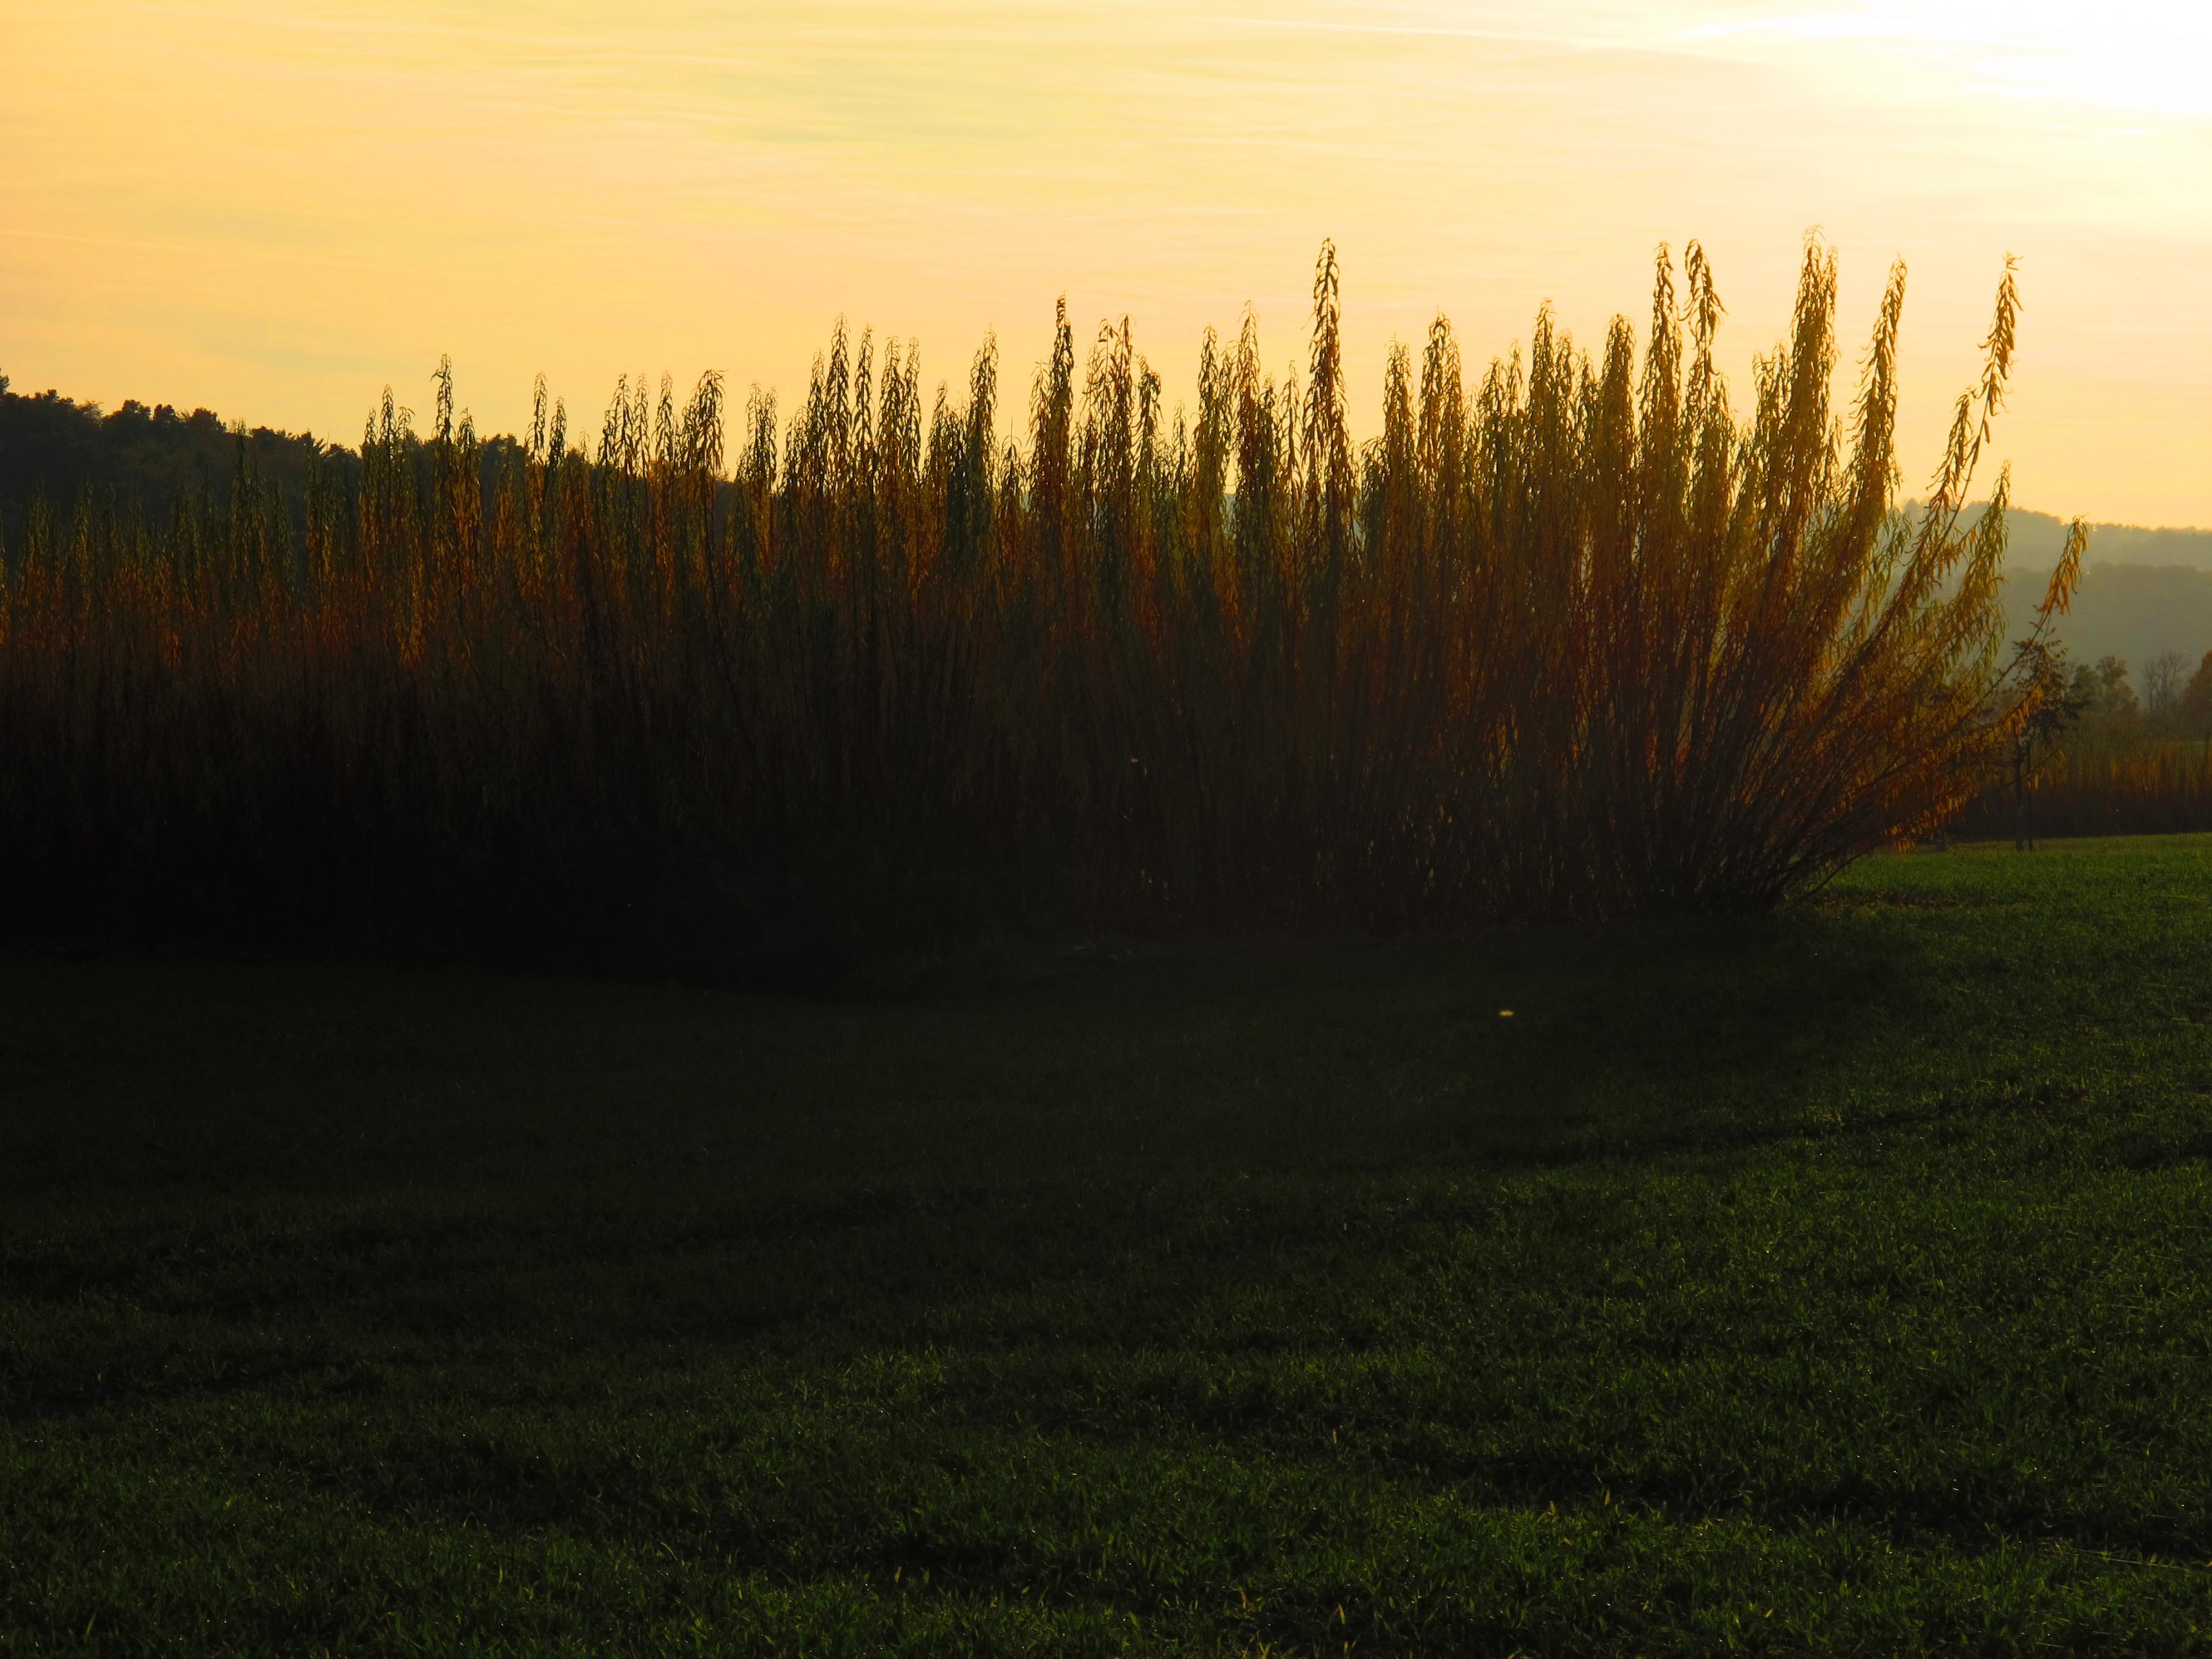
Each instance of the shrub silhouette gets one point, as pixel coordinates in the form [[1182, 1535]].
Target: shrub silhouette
[[1578, 641]]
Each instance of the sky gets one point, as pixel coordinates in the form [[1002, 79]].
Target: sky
[[274, 208]]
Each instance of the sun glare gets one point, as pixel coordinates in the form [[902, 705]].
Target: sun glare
[[2149, 55]]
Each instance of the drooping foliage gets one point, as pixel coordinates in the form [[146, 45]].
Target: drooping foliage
[[1576, 640]]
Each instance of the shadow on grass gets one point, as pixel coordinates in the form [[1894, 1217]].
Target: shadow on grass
[[146, 1078], [262, 1169]]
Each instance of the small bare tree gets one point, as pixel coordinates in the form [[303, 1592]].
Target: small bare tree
[[2053, 702], [2164, 675]]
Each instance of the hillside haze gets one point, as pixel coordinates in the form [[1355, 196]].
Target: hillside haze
[[2143, 590]]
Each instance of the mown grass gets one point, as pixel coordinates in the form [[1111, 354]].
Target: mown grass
[[1834, 1281]]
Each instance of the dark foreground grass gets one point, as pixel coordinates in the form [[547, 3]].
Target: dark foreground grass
[[1835, 1282]]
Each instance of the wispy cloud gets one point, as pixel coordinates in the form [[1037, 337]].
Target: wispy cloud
[[573, 185]]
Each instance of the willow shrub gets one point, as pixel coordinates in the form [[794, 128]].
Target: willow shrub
[[1580, 641]]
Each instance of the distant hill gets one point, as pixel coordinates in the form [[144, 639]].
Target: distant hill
[[2129, 611], [2037, 538], [148, 458], [2142, 590], [58, 448]]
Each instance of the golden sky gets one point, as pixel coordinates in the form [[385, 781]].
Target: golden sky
[[275, 206]]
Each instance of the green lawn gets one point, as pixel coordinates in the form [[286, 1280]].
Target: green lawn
[[1839, 1281]]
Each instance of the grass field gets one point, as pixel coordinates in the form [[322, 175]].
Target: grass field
[[1835, 1282]]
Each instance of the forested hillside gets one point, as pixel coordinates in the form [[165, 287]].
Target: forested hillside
[[153, 460]]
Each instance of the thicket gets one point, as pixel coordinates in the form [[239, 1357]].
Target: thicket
[[2108, 762], [2149, 786], [1576, 641]]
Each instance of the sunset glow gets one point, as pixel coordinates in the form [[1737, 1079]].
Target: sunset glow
[[276, 209]]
